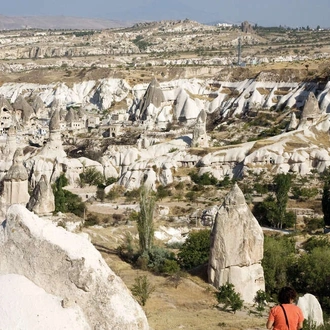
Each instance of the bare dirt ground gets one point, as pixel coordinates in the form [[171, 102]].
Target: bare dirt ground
[[304, 70], [192, 305]]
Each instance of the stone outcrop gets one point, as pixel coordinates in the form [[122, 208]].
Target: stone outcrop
[[67, 266], [293, 122], [246, 27], [23, 302], [15, 183], [25, 110], [311, 309], [237, 248], [154, 96], [311, 112], [42, 200], [38, 106], [200, 138]]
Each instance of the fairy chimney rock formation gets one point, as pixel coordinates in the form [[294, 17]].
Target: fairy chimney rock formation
[[310, 113], [25, 109], [153, 95], [54, 148], [246, 27], [15, 189], [200, 138], [237, 247], [38, 105], [11, 144], [38, 255], [293, 122], [42, 200]]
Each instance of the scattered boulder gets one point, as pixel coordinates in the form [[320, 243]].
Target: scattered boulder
[[311, 309]]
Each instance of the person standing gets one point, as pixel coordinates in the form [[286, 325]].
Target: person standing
[[286, 315]]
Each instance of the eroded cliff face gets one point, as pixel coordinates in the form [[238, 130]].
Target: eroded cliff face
[[66, 266]]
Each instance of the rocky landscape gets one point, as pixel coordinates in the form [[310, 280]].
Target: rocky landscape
[[149, 105]]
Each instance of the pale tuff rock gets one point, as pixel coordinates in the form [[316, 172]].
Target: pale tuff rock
[[166, 175], [154, 96], [23, 110], [38, 106], [15, 183], [109, 91], [23, 302], [208, 215], [185, 96], [311, 112], [311, 309], [6, 112], [50, 160], [200, 138], [54, 124], [75, 271], [237, 247], [42, 200], [11, 144], [293, 122]]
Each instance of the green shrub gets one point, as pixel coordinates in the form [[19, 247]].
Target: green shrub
[[229, 298], [142, 289], [66, 201], [311, 274], [312, 224], [162, 192], [110, 181], [204, 179], [316, 242], [260, 299], [195, 250], [170, 267], [91, 176]]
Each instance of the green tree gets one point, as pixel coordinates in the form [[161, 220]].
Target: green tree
[[312, 274], [266, 211], [282, 187], [196, 249], [278, 255], [145, 220], [66, 201]]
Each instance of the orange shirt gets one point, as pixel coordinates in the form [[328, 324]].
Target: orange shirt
[[293, 312]]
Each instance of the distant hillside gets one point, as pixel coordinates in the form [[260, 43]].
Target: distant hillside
[[58, 22]]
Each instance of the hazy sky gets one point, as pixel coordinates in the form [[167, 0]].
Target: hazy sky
[[292, 13]]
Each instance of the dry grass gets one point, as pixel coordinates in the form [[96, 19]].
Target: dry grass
[[192, 305]]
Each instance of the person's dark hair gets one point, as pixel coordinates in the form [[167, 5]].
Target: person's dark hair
[[287, 294]]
